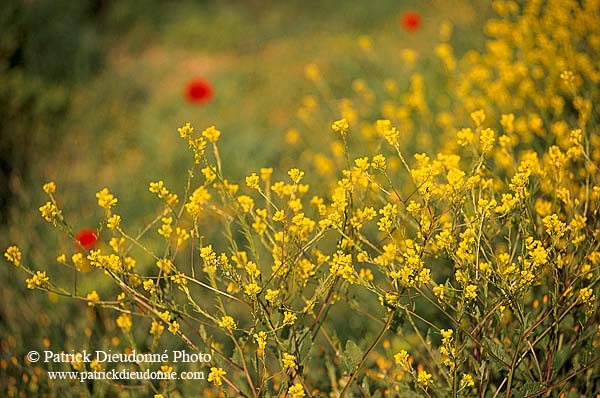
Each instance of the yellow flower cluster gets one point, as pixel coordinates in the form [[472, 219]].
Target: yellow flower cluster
[[92, 297], [110, 262], [162, 192], [124, 322], [215, 376], [39, 279], [341, 265], [227, 322], [340, 126], [196, 203], [447, 350], [14, 255], [261, 341], [106, 200], [49, 212], [296, 391], [211, 134]]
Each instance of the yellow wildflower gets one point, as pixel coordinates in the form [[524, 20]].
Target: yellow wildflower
[[124, 322], [296, 391], [289, 361], [487, 138], [341, 265], [261, 341], [265, 173], [340, 126], [464, 136], [38, 279], [215, 376], [466, 381], [391, 136], [156, 328], [554, 227], [14, 255], [245, 202], [424, 378], [567, 76], [92, 297], [49, 187], [49, 212], [186, 131], [211, 134], [271, 295], [197, 201], [95, 365], [252, 181], [289, 318], [478, 117], [471, 292], [252, 290], [446, 335], [174, 327], [379, 162], [227, 322], [296, 175], [438, 290], [106, 199], [401, 358], [209, 174], [113, 221]]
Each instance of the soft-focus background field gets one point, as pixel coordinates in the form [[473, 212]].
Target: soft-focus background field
[[91, 93]]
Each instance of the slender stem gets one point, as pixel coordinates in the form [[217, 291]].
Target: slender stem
[[243, 361], [513, 365]]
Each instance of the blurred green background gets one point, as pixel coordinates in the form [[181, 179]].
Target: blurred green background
[[92, 92]]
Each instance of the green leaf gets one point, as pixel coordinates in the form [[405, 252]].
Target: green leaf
[[560, 357], [366, 385], [305, 346], [497, 350], [528, 388], [202, 332], [398, 320], [352, 356]]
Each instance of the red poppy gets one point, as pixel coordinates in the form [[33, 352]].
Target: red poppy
[[198, 91], [87, 238], [411, 21]]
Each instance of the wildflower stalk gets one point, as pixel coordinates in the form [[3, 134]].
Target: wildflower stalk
[[512, 367], [244, 367], [406, 166]]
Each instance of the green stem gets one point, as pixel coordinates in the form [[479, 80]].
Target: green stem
[[512, 368]]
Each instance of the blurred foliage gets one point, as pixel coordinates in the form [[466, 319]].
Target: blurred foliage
[[46, 47]]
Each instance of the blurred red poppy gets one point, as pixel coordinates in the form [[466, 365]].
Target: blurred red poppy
[[87, 238], [198, 91], [411, 21]]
